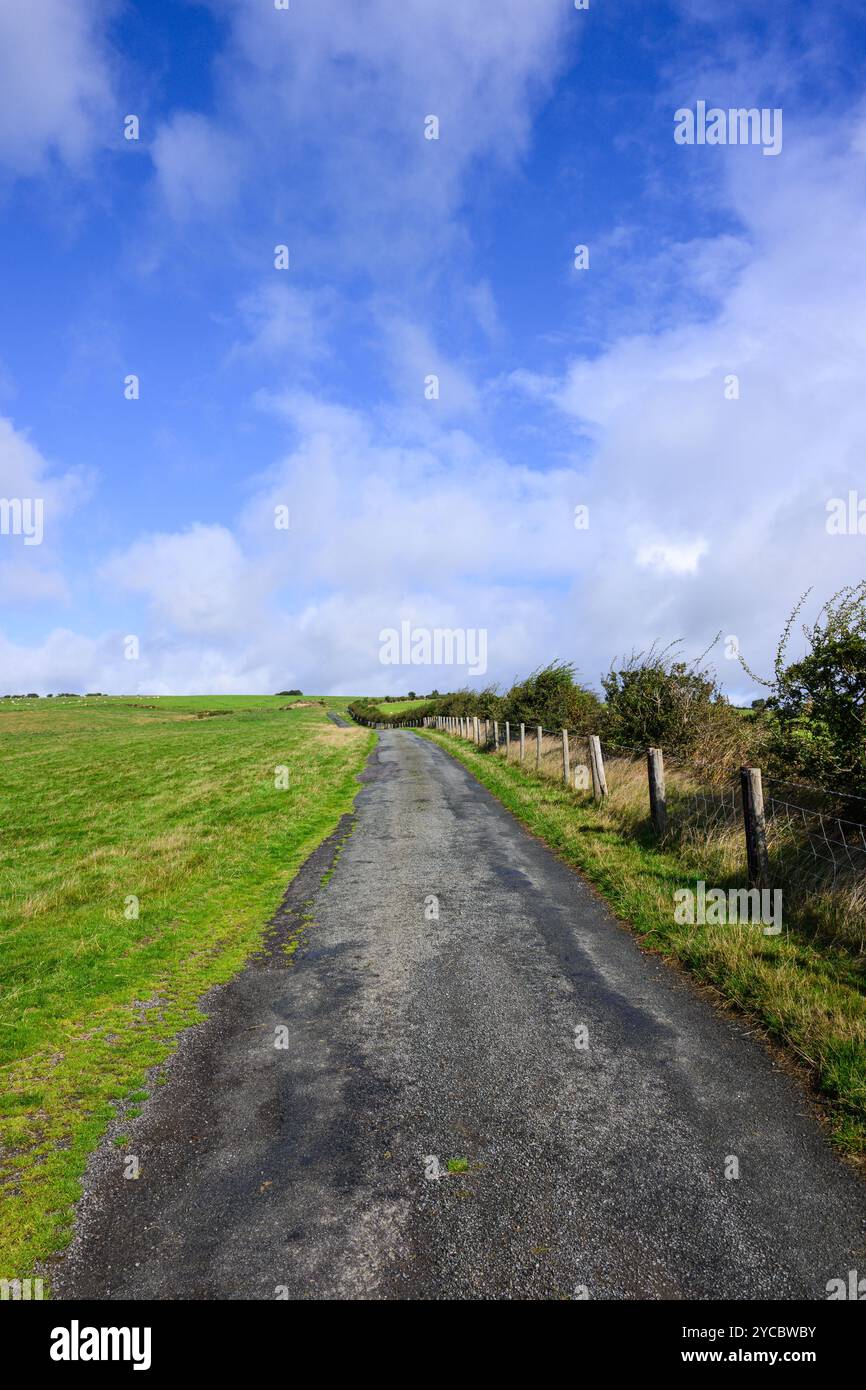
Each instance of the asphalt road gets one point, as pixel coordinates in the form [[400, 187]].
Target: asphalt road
[[308, 1171]]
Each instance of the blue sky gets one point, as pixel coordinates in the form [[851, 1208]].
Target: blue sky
[[304, 387]]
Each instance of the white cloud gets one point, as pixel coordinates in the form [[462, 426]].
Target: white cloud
[[672, 557], [285, 320], [713, 509], [475, 65], [60, 663], [32, 572], [482, 302], [415, 361], [196, 582], [373, 509], [383, 528], [329, 102], [55, 82], [197, 165]]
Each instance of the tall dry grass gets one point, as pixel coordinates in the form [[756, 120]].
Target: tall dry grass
[[823, 901]]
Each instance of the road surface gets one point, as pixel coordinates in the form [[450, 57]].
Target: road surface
[[309, 1170]]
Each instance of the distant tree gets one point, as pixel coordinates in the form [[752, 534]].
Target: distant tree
[[411, 695]]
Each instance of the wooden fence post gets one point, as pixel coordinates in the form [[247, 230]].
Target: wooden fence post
[[599, 781], [539, 732], [507, 739], [655, 764], [522, 742], [566, 766], [496, 735], [755, 825]]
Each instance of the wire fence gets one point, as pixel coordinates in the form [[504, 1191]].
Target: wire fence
[[836, 845], [810, 839]]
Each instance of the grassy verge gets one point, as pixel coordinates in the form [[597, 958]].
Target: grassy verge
[[806, 993], [145, 845]]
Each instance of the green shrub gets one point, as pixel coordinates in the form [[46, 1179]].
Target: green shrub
[[552, 697], [818, 704], [654, 699]]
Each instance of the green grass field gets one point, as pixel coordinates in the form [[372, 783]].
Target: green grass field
[[144, 846], [400, 706]]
